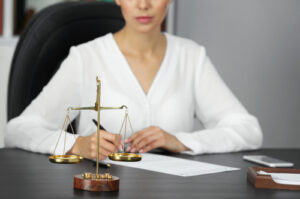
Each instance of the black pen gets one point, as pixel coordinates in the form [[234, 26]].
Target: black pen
[[103, 165], [96, 123]]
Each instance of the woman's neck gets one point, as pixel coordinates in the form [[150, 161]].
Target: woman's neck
[[138, 43]]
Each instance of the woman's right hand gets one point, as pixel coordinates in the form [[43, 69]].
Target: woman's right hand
[[87, 146]]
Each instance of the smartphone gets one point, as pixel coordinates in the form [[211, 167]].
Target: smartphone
[[267, 161]]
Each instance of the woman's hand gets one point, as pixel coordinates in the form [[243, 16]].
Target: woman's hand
[[154, 137], [87, 146]]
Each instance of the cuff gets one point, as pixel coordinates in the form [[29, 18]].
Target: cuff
[[188, 140]]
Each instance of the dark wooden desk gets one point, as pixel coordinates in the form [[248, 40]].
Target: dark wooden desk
[[29, 175]]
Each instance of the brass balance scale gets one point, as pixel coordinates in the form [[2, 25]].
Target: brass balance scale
[[96, 181]]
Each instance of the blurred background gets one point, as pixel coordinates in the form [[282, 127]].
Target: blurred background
[[254, 44]]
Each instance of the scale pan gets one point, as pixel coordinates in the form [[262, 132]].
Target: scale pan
[[65, 159], [127, 157]]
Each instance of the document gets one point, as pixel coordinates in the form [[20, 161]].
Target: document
[[174, 166], [283, 178]]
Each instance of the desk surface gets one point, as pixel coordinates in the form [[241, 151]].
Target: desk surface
[[29, 175]]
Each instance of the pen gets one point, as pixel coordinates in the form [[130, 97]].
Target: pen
[[103, 165], [96, 123]]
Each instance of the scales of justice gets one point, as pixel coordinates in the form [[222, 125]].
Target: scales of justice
[[95, 181]]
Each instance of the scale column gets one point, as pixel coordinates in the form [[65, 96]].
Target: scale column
[[97, 107]]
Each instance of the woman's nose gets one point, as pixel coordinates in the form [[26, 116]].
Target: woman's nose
[[144, 4]]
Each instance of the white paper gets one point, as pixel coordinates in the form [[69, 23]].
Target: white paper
[[283, 178], [174, 166]]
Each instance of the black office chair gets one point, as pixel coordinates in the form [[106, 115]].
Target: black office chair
[[46, 42]]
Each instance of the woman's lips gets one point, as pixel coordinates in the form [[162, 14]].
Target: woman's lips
[[144, 20]]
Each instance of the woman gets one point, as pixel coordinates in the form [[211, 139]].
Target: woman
[[164, 80]]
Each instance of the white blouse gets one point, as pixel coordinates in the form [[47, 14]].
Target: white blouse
[[186, 86]]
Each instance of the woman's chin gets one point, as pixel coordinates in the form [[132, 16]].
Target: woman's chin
[[147, 29]]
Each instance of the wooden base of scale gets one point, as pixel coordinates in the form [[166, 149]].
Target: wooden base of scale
[[96, 184]]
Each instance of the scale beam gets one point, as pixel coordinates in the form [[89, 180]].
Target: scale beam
[[96, 109]]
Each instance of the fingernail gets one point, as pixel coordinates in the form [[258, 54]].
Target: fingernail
[[133, 150], [128, 149], [141, 151]]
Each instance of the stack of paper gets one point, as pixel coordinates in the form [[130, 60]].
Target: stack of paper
[[174, 166], [283, 178]]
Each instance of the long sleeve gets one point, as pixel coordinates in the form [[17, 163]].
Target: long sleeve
[[228, 125], [38, 127]]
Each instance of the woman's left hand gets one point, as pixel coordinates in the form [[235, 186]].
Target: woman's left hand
[[154, 137]]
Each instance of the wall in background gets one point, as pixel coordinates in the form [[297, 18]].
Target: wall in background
[[6, 52], [255, 46]]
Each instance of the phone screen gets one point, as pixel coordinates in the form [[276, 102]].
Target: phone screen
[[269, 159]]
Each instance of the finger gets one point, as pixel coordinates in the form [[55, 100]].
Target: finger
[[140, 136], [133, 150], [128, 149], [149, 147], [147, 140], [108, 146], [113, 138], [151, 132], [128, 140], [133, 137]]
